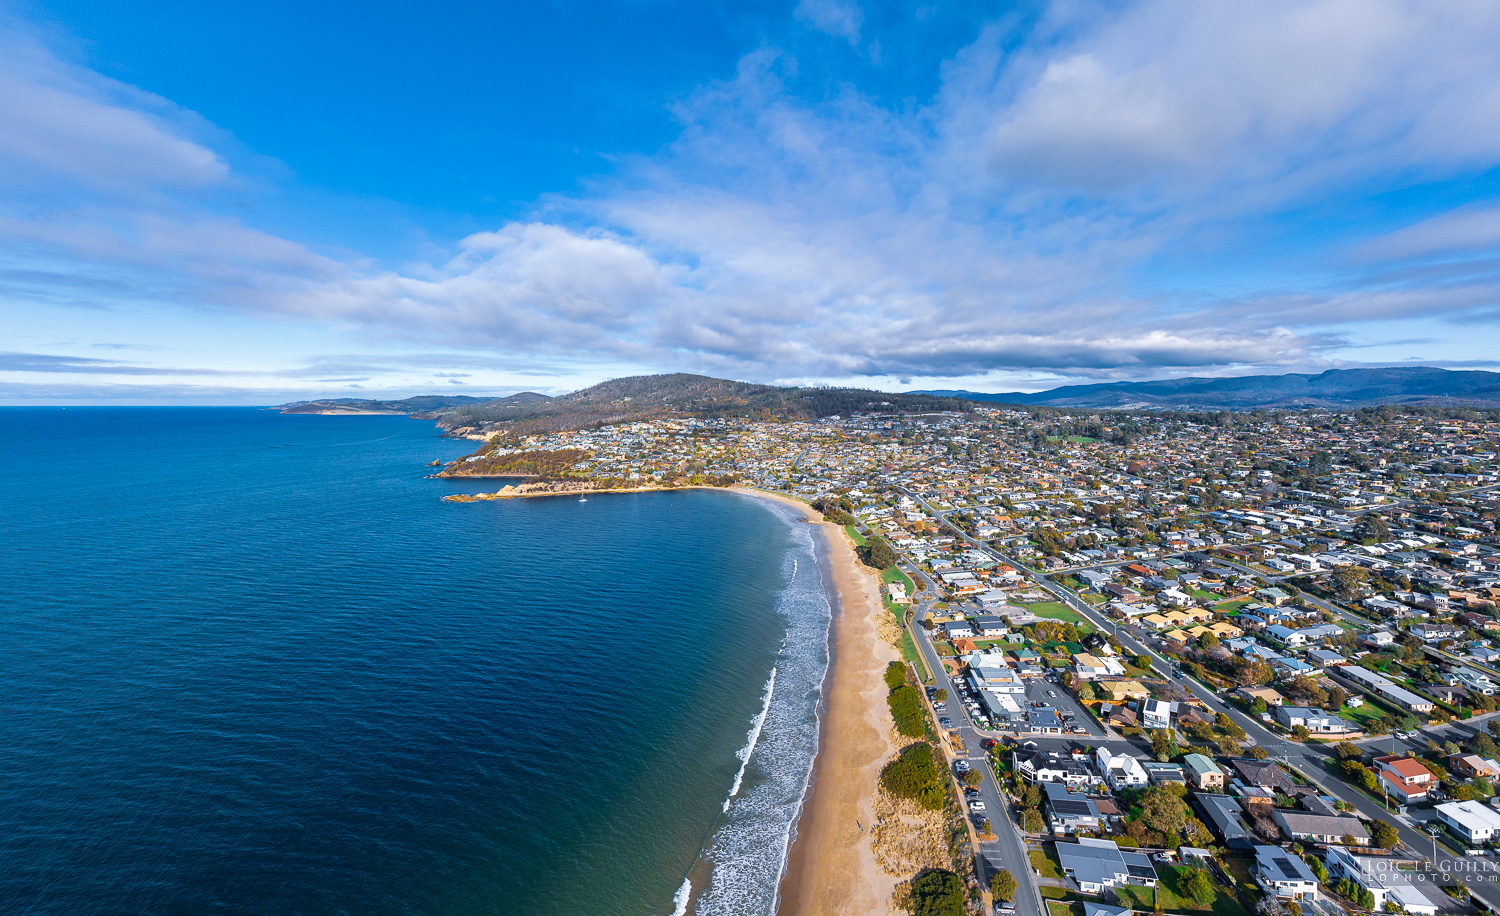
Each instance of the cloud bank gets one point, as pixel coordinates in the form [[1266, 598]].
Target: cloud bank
[[1033, 215]]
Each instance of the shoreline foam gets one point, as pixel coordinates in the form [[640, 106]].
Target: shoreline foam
[[830, 865]]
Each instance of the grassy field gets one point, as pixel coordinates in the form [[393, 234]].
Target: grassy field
[[1045, 861], [896, 575], [1174, 899], [1064, 908], [855, 536], [1224, 607], [910, 654]]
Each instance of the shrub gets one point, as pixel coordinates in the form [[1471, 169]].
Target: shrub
[[937, 893], [906, 708], [1003, 885], [914, 774]]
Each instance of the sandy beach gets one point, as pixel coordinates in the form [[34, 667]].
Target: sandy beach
[[831, 867]]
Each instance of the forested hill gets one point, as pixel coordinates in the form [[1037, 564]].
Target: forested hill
[[1407, 385], [648, 397], [412, 405]]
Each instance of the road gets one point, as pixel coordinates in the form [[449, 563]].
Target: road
[[1308, 759]]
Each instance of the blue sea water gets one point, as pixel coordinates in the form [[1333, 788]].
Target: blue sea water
[[252, 663]]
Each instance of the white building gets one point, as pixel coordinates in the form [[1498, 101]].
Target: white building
[[1473, 821], [1382, 879], [1120, 771]]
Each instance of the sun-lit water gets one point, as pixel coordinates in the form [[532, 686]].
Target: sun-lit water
[[252, 663]]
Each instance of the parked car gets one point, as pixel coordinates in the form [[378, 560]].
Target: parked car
[[976, 805], [946, 723]]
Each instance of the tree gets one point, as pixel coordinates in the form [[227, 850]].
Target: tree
[[1384, 834], [1164, 811], [1494, 727], [880, 553], [1086, 691], [1337, 697], [1200, 887], [895, 675], [1348, 750], [1257, 753], [1031, 820], [941, 696], [1142, 662], [1300, 732], [906, 709], [1228, 746], [1483, 786], [1003, 885], [1259, 707], [1031, 796], [937, 893], [1372, 529], [973, 778], [1451, 747], [1351, 582], [1163, 744]]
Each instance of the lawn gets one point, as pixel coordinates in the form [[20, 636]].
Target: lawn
[[1236, 604], [855, 536], [1173, 898], [910, 654], [1045, 861], [1055, 610], [1064, 908], [896, 575]]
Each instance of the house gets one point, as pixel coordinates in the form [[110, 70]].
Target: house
[[991, 627], [1251, 694], [1263, 773], [995, 678], [1436, 632], [1325, 658], [1315, 721], [1043, 721], [1203, 772], [1292, 639], [1370, 682], [1386, 882], [1068, 813], [1048, 766], [1118, 716], [1124, 690], [1473, 766], [1320, 632], [1164, 774], [1405, 778], [1474, 822], [1472, 680], [1097, 864], [1120, 771], [959, 629], [1095, 579], [1099, 909], [1222, 815], [1320, 828], [1378, 639], [1091, 667], [1273, 596], [1156, 714], [1283, 874]]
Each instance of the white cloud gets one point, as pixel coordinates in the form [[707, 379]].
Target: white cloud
[[839, 18]]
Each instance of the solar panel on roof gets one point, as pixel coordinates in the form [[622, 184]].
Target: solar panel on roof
[[1070, 808], [1285, 865]]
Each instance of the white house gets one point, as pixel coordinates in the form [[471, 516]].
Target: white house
[[1474, 821], [1120, 771]]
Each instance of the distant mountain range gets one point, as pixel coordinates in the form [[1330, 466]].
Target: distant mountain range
[[419, 404], [1344, 388]]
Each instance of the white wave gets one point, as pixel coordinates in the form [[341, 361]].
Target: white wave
[[755, 726], [681, 898], [748, 852]]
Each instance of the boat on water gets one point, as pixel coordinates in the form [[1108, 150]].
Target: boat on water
[[583, 499]]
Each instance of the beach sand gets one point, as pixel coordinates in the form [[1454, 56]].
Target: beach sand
[[832, 867]]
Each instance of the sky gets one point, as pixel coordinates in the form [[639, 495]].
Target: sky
[[250, 203]]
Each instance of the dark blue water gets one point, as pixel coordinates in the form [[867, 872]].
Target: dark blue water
[[252, 663]]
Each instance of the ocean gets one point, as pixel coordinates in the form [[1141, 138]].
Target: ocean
[[252, 663]]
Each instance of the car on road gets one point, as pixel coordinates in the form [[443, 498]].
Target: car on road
[[971, 792], [1005, 906], [976, 805], [960, 766], [946, 723], [1052, 693]]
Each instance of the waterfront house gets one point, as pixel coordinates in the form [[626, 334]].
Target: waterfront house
[[1097, 864], [1386, 881], [1068, 813]]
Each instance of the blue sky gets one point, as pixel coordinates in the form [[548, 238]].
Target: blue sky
[[249, 203]]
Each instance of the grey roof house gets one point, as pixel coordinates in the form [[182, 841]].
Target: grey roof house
[[1098, 864]]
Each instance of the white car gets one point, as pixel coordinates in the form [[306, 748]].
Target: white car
[[976, 805]]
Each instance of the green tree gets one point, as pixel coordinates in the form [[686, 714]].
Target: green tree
[[1351, 582], [914, 774], [1003, 885], [1372, 529], [1142, 662], [1483, 786], [973, 778], [1259, 707], [1031, 796], [1163, 744], [1163, 810], [1348, 750], [941, 696], [1384, 834], [1451, 747], [1300, 732], [1031, 820], [937, 893], [895, 675], [1257, 753], [1200, 887], [880, 553]]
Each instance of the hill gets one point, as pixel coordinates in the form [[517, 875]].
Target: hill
[[648, 397], [419, 404], [1337, 388]]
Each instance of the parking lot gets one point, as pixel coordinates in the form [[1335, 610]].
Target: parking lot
[[1050, 694]]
